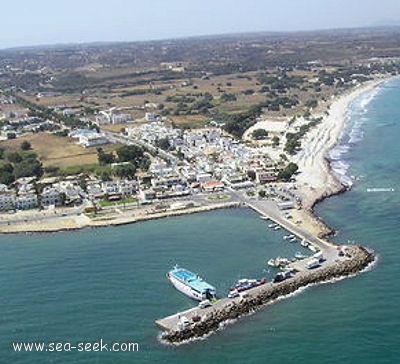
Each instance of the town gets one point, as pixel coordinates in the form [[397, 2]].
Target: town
[[86, 136]]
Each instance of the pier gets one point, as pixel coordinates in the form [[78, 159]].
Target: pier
[[196, 322]]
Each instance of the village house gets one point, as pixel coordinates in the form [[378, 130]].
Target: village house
[[50, 197], [26, 201], [7, 200]]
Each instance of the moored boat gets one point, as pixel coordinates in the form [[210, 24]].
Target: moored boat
[[191, 284], [300, 255], [278, 262], [304, 243], [243, 285]]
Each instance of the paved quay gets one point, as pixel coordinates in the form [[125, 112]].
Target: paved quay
[[270, 211], [171, 323]]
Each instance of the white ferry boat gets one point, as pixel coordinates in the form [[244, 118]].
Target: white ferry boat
[[191, 284]]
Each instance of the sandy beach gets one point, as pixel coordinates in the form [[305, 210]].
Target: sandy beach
[[314, 182]]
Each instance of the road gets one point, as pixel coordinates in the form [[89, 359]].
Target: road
[[123, 139]]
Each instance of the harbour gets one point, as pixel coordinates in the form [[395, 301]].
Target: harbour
[[329, 261], [354, 320]]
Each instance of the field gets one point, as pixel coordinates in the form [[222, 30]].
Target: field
[[56, 151], [190, 82]]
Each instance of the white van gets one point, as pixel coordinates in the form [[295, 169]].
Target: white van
[[204, 304], [313, 263]]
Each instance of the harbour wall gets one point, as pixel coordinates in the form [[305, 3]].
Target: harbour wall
[[358, 258]]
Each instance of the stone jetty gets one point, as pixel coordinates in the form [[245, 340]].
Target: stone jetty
[[356, 259]]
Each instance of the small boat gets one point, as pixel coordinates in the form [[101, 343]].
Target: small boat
[[286, 237], [277, 227], [304, 243], [278, 262], [300, 255], [293, 239], [243, 285], [272, 226], [273, 263], [312, 248], [262, 217]]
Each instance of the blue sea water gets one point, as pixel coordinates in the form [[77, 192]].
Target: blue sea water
[[109, 283]]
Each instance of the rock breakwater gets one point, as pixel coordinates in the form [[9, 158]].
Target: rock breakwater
[[357, 259]]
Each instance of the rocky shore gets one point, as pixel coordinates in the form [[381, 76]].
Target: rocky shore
[[357, 259]]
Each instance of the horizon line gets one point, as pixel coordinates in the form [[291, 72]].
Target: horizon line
[[198, 36]]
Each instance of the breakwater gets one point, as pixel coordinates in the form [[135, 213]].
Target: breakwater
[[357, 258]]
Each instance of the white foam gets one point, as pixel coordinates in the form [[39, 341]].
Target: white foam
[[298, 291]]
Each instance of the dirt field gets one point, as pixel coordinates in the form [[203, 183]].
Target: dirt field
[[56, 151]]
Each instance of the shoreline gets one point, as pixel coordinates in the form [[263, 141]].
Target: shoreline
[[129, 218], [316, 180]]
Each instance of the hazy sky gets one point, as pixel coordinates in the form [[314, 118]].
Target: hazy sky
[[35, 22]]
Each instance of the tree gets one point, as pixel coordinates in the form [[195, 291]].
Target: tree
[[226, 97], [28, 168], [104, 158], [82, 182], [275, 141], [14, 157], [262, 193], [125, 171], [287, 173], [25, 145], [105, 176], [52, 170], [129, 153], [251, 174], [260, 134], [163, 143], [6, 174], [63, 198]]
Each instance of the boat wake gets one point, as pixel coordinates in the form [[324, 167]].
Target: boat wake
[[380, 189]]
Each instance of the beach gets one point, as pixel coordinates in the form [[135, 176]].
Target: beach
[[101, 277], [315, 182], [316, 179]]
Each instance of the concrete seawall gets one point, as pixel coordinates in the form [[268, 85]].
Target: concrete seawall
[[357, 259]]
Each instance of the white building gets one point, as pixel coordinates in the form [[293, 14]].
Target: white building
[[91, 140], [50, 196], [150, 116], [26, 201], [127, 188], [7, 201]]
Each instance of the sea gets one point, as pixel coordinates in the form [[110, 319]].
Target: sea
[[108, 285]]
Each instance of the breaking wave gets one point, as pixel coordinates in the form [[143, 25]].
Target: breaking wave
[[351, 135]]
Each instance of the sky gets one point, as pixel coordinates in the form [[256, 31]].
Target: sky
[[41, 22]]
